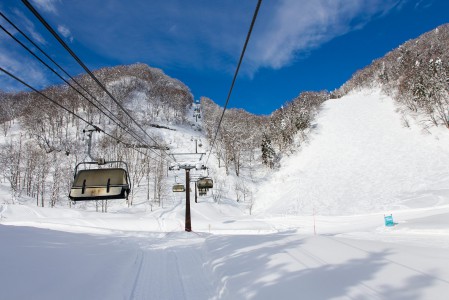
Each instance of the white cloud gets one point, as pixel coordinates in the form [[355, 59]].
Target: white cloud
[[29, 27], [23, 68], [17, 61], [296, 27], [209, 34], [65, 32], [46, 5], [423, 4]]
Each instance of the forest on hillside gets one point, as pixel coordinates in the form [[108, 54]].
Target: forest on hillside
[[244, 138], [50, 141], [416, 75]]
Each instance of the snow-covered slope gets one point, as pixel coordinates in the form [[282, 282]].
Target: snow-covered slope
[[360, 163], [361, 158]]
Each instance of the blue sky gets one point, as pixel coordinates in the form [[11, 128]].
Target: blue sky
[[297, 45]]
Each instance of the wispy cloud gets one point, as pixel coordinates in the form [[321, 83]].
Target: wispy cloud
[[296, 27], [29, 27], [423, 4], [24, 68], [46, 5], [211, 34], [15, 60], [65, 32], [162, 33], [204, 34]]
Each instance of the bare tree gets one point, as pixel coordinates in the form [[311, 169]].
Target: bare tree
[[10, 164]]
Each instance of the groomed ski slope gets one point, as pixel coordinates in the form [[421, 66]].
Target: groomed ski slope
[[59, 253], [45, 264]]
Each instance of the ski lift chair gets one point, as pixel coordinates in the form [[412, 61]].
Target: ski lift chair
[[100, 184], [178, 187], [205, 183]]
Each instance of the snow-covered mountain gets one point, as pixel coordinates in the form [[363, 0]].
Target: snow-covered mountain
[[306, 223]]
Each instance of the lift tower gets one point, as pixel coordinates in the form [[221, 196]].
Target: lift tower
[[187, 166]]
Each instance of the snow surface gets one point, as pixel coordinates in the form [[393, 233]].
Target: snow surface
[[318, 232], [361, 158]]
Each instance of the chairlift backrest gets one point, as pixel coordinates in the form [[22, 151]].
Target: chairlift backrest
[[205, 183], [178, 188], [97, 177]]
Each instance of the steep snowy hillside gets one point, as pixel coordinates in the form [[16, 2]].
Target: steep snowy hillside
[[361, 158]]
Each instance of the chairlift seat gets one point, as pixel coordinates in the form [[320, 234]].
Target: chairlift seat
[[179, 188], [100, 184]]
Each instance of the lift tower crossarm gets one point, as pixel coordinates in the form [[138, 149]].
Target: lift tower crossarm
[[187, 167]]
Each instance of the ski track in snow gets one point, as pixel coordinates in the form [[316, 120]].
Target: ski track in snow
[[201, 266], [158, 276]]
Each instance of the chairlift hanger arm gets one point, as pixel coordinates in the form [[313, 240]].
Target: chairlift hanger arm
[[186, 166], [157, 147], [199, 154]]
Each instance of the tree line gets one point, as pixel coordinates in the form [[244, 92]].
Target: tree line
[[43, 143], [416, 75], [245, 139], [49, 142]]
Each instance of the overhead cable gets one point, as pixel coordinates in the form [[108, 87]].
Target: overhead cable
[[69, 111], [79, 61], [235, 75], [68, 83], [123, 126]]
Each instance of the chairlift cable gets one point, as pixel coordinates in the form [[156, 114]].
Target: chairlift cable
[[70, 112], [235, 75], [134, 135], [130, 131], [80, 62]]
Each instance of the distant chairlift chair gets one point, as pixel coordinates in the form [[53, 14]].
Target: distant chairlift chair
[[204, 184], [178, 187]]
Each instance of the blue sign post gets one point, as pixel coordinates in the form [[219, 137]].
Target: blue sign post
[[389, 220]]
